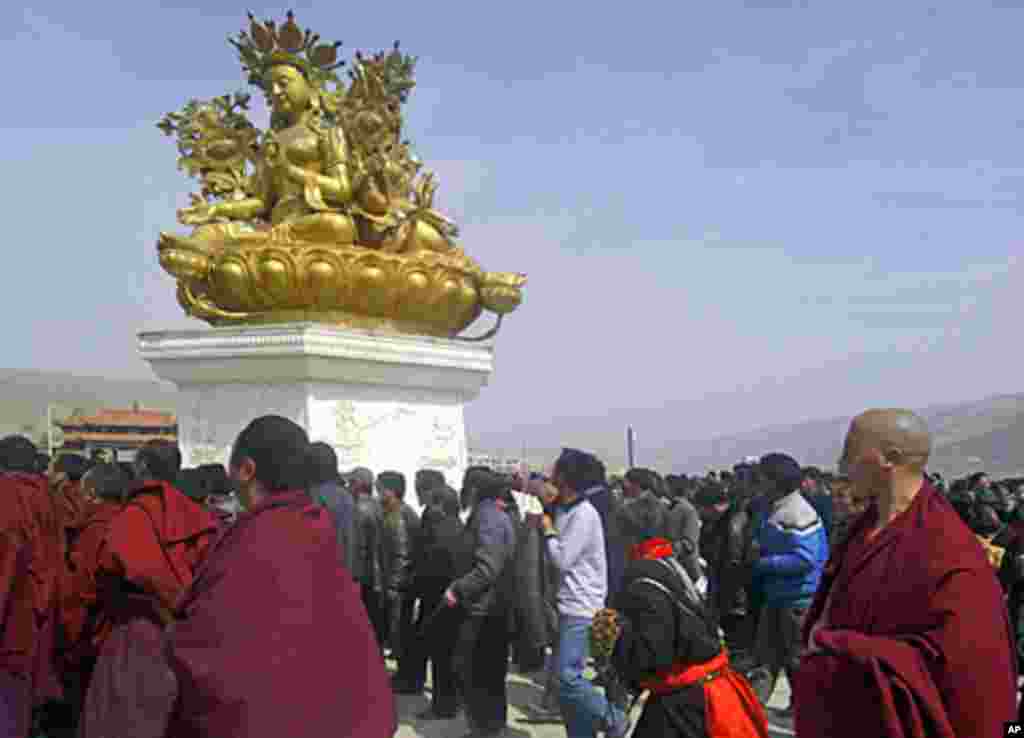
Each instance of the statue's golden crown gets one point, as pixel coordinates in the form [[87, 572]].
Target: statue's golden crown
[[266, 44]]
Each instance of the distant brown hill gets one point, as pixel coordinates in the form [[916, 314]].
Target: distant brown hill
[[985, 434]]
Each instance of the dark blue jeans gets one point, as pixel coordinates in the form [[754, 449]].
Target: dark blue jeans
[[584, 708]]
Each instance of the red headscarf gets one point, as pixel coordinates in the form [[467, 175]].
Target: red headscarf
[[652, 548]]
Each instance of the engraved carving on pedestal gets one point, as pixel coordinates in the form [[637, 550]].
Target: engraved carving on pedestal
[[350, 438], [438, 453]]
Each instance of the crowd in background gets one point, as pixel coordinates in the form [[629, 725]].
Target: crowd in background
[[693, 590]]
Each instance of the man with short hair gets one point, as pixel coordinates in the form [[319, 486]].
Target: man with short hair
[[724, 536], [400, 530], [482, 646], [575, 544], [908, 633], [440, 625], [325, 487], [682, 524], [366, 558], [271, 636], [427, 482]]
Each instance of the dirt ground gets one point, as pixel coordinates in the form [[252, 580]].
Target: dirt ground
[[527, 689]]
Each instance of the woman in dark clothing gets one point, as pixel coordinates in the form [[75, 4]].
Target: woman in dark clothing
[[668, 643]]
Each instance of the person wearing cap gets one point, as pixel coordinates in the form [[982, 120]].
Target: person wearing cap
[[788, 559], [366, 558]]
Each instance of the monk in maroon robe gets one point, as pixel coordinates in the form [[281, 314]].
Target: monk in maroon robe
[[273, 639], [86, 626], [31, 551], [908, 636], [65, 476], [147, 559]]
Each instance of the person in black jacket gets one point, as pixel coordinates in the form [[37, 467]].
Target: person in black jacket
[[724, 538], [438, 625], [665, 641], [366, 558], [482, 648], [399, 541], [412, 664]]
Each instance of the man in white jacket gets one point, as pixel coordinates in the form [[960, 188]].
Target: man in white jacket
[[575, 545]]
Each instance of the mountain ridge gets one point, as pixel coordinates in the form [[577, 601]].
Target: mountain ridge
[[968, 436]]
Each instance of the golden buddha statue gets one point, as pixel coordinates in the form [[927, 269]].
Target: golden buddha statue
[[327, 215]]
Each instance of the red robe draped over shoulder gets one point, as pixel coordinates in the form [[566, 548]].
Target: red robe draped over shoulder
[[31, 556], [30, 515], [916, 637], [71, 506], [155, 544], [157, 541], [83, 562], [273, 638]]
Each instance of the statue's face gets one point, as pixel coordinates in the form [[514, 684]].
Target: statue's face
[[288, 91]]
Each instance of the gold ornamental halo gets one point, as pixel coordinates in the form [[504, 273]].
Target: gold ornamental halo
[[328, 215]]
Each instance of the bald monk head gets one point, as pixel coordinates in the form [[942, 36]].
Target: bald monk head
[[886, 452]]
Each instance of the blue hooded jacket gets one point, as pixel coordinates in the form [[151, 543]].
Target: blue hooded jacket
[[794, 550]]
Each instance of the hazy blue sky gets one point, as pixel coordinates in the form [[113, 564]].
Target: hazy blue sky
[[732, 214]]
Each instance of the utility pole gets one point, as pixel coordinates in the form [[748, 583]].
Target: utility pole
[[630, 446]]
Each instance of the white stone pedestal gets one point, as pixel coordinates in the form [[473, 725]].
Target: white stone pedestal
[[382, 401]]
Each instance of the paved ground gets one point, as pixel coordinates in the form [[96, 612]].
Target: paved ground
[[524, 690]]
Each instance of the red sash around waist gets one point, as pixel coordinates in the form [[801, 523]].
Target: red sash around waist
[[684, 675], [732, 710]]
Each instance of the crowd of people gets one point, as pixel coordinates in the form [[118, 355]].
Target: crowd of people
[[263, 598]]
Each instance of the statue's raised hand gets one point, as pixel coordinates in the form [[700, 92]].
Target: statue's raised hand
[[200, 212]]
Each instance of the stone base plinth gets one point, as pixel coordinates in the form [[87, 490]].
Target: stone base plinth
[[382, 401]]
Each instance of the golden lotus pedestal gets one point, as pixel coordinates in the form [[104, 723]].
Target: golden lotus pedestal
[[382, 401], [422, 293]]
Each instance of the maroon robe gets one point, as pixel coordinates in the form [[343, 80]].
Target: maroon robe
[[274, 639], [916, 640], [30, 520], [157, 541], [152, 547], [84, 635]]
